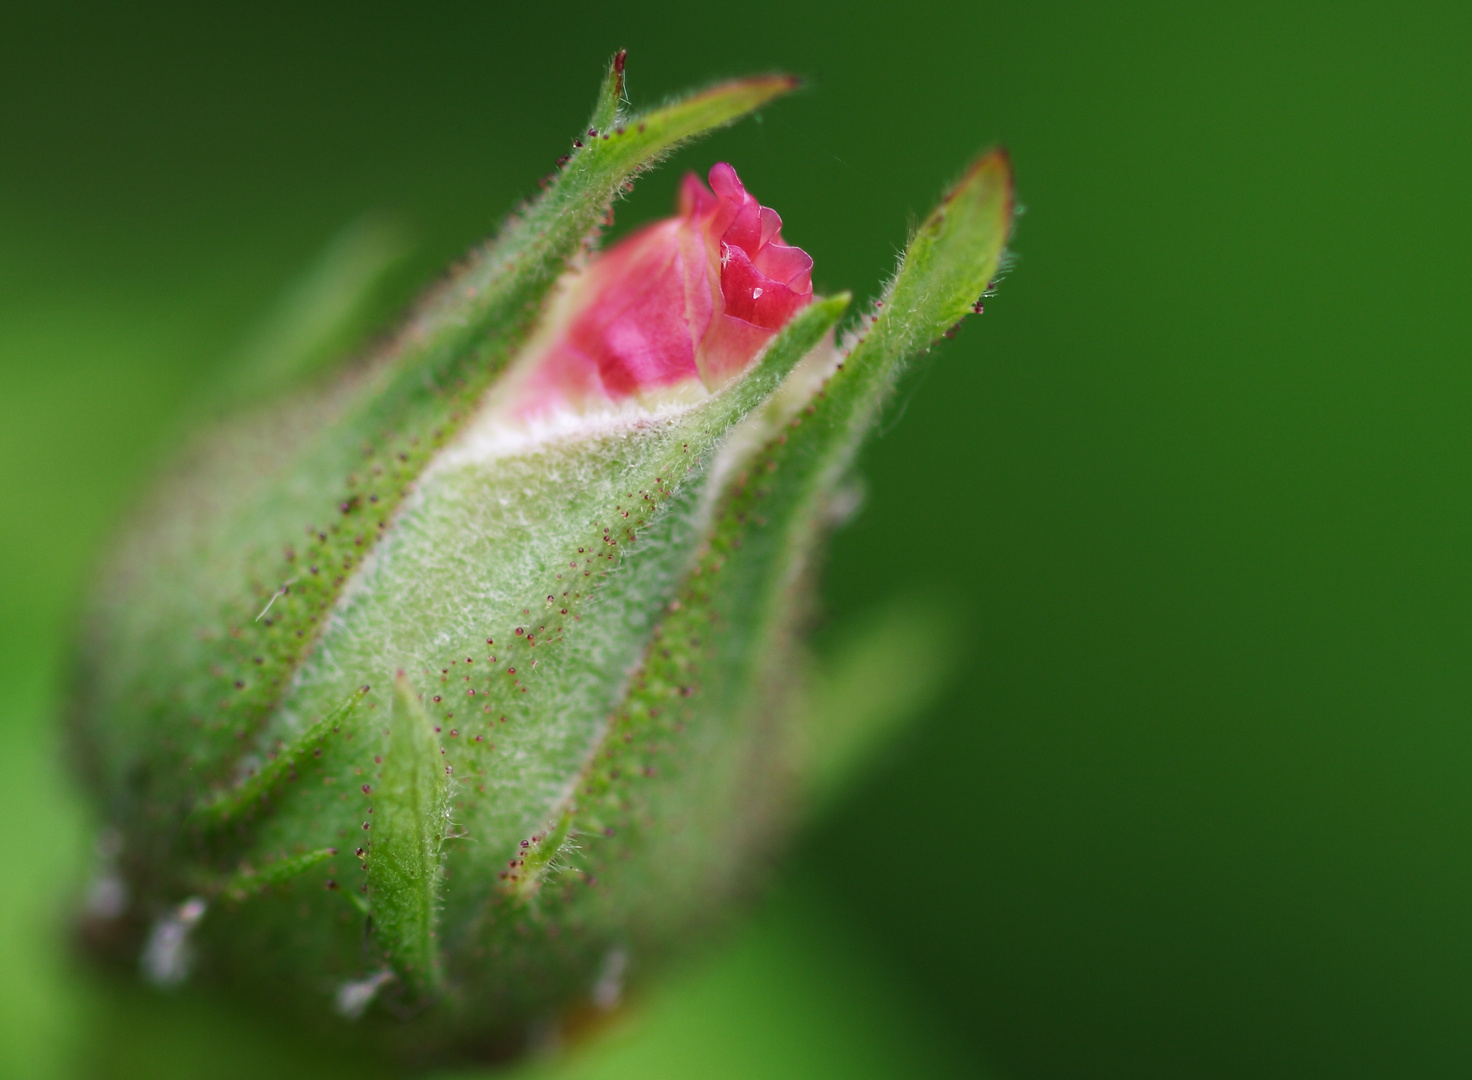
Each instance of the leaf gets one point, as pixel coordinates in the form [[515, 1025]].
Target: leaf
[[949, 264], [884, 673], [320, 315], [410, 814]]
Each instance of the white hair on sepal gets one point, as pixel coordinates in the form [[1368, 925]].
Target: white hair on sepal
[[354, 996], [107, 895], [844, 502], [608, 989], [168, 955]]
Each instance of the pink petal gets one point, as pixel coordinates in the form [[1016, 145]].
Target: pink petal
[[695, 201], [791, 266], [771, 226], [652, 306], [695, 296], [754, 297], [732, 199], [729, 348]]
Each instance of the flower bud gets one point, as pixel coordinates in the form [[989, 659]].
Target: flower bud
[[681, 304], [437, 696]]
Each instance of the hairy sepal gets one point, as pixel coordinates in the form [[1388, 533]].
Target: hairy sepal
[[411, 812]]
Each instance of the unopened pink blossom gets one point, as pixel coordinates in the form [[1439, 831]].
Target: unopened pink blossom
[[688, 301]]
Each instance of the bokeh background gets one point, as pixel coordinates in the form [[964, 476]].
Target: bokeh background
[[1198, 801]]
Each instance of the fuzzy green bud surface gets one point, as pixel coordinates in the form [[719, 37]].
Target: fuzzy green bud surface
[[432, 697]]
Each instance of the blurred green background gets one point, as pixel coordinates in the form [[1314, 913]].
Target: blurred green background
[[1199, 801]]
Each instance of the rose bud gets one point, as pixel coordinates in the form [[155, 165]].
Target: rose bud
[[682, 304], [435, 697]]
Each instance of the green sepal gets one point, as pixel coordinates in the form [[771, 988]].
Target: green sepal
[[410, 813], [251, 793], [252, 881], [610, 96], [948, 265]]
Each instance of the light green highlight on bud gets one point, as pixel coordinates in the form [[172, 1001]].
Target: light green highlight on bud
[[883, 673], [321, 315]]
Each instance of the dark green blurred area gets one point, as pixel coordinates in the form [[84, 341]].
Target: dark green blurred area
[[1200, 802]]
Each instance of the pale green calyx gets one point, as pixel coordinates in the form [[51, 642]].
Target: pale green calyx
[[412, 717]]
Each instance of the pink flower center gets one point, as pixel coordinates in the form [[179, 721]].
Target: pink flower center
[[689, 299]]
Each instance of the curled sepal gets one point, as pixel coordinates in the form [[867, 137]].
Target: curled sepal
[[410, 812]]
